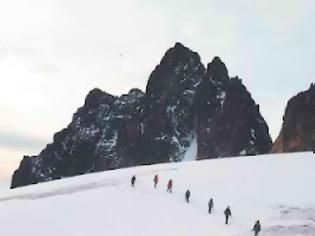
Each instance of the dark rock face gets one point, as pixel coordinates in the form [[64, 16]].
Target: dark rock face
[[182, 102], [92, 141], [228, 120], [169, 117], [298, 128]]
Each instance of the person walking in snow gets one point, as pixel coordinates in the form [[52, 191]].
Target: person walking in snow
[[170, 186], [210, 205], [133, 180], [156, 180], [187, 196], [227, 213], [257, 228]]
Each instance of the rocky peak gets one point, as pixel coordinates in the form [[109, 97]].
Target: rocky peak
[[168, 114], [96, 97], [217, 70], [179, 69], [228, 120], [179, 54], [133, 95], [298, 127], [135, 92]]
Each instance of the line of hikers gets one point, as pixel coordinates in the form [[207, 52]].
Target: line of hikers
[[227, 211]]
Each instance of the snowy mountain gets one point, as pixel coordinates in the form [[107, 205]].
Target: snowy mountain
[[183, 104], [298, 128], [271, 188]]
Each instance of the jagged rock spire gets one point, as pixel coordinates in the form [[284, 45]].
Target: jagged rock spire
[[217, 70]]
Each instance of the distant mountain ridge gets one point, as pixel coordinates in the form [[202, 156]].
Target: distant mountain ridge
[[183, 101]]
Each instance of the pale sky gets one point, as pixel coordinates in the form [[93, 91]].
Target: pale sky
[[52, 52]]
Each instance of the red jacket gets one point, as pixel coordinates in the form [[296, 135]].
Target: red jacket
[[170, 183]]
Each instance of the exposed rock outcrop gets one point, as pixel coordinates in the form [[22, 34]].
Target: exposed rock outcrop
[[298, 128], [228, 120]]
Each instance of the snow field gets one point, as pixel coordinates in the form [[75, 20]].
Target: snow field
[[276, 189]]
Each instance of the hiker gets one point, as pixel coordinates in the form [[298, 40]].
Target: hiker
[[133, 180], [227, 213], [210, 205], [257, 228], [156, 180], [187, 195], [170, 186]]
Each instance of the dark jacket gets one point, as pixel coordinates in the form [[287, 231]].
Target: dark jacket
[[227, 212], [257, 227], [170, 184]]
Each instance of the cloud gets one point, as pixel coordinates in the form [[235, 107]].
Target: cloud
[[44, 68], [27, 52], [20, 141]]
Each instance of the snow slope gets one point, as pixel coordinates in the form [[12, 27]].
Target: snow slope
[[4, 185], [276, 189], [192, 150]]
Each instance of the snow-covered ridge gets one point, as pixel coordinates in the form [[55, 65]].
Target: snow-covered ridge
[[272, 188]]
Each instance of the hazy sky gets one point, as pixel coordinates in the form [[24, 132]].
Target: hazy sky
[[52, 52]]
